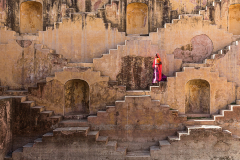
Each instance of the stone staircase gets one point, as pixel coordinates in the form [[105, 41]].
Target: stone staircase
[[34, 115], [215, 56], [215, 118], [68, 129], [166, 144], [28, 117]]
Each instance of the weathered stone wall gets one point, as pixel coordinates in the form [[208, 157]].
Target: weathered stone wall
[[230, 121], [53, 11], [209, 144], [5, 126], [50, 95], [228, 64], [3, 7], [136, 72], [137, 122], [200, 48], [82, 38], [181, 31], [24, 62], [101, 92], [79, 147], [222, 92], [115, 64]]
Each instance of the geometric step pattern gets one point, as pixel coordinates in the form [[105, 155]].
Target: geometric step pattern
[[69, 132], [212, 121], [167, 143]]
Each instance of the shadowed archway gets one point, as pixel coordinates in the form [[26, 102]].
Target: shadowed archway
[[197, 97], [76, 97]]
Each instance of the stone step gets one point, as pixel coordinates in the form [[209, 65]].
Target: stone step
[[78, 69], [93, 135], [203, 127], [102, 139], [91, 117], [180, 133], [17, 154], [206, 121], [154, 149], [165, 106], [110, 108], [122, 150], [47, 137], [73, 123], [81, 131], [76, 116], [112, 145], [227, 132], [47, 113], [138, 155], [56, 119], [28, 104], [50, 134], [16, 92], [38, 109], [217, 116], [137, 92], [22, 98], [224, 111], [198, 115], [38, 140], [80, 65], [173, 138], [8, 157], [164, 143], [29, 145], [101, 113]]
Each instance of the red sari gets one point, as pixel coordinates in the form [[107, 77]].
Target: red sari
[[157, 69]]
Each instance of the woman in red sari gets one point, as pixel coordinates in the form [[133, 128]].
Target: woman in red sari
[[157, 69]]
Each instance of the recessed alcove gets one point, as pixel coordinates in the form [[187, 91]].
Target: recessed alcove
[[137, 18], [31, 17], [234, 19], [197, 97], [76, 97]]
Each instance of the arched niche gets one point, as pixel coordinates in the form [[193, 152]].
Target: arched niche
[[137, 18], [76, 97], [31, 20], [197, 97], [234, 19]]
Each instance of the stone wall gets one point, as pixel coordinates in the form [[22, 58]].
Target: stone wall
[[82, 37], [101, 92], [136, 72], [213, 144], [222, 92], [5, 126], [24, 62], [53, 11], [137, 122]]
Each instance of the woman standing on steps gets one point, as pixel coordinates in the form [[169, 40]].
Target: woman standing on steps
[[157, 69]]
